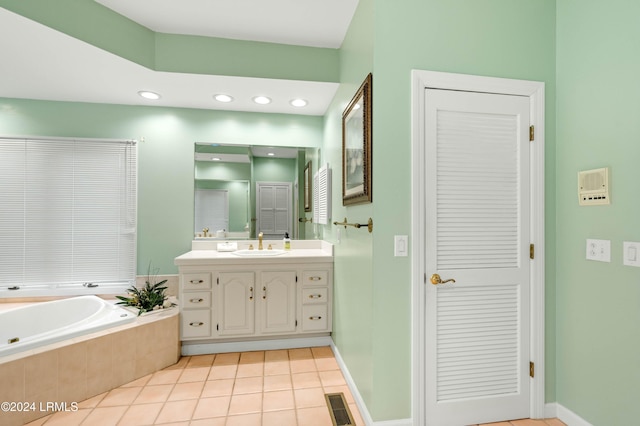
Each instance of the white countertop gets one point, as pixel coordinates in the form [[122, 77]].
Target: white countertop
[[302, 251]]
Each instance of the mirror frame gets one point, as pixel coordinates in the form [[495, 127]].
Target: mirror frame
[[356, 181]]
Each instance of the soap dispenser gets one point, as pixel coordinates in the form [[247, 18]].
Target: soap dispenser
[[287, 241]]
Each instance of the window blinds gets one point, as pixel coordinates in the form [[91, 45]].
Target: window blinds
[[67, 216], [322, 195]]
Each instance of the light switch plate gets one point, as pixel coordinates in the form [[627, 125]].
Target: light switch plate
[[631, 253], [400, 243], [599, 250]]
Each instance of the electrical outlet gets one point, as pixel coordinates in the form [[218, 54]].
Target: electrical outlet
[[631, 253], [599, 250]]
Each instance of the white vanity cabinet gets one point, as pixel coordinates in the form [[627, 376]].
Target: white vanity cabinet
[[315, 300], [277, 302], [195, 305], [230, 298], [235, 303]]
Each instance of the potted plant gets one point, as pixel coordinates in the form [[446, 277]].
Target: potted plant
[[149, 298]]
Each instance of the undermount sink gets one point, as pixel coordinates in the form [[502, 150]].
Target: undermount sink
[[258, 253]]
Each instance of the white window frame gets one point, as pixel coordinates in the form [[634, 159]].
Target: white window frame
[[68, 219]]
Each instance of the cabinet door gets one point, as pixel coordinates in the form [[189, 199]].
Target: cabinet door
[[278, 302], [236, 296]]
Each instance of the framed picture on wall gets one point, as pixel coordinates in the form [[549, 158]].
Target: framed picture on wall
[[356, 147]]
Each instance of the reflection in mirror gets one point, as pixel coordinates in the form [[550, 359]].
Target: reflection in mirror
[[222, 205], [242, 190]]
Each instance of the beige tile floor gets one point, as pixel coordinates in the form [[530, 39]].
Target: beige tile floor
[[279, 388], [263, 388]]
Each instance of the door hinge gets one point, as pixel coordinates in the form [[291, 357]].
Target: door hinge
[[532, 251], [532, 369], [531, 133]]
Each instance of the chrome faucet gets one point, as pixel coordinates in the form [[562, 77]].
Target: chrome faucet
[[205, 231], [260, 235]]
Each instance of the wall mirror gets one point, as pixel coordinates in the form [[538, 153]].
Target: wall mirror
[[240, 190]]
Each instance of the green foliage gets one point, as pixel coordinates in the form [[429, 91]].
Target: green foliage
[[147, 298]]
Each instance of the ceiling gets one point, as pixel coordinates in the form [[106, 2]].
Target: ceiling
[[50, 65], [317, 23]]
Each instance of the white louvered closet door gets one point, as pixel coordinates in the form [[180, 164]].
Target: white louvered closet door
[[274, 209], [477, 225]]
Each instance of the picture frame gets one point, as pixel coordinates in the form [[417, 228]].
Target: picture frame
[[356, 146], [307, 187]]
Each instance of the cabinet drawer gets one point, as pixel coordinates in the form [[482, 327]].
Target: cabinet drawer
[[312, 296], [196, 299], [315, 277], [195, 324], [314, 318], [198, 281]]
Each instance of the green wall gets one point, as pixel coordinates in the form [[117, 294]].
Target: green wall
[[585, 49], [353, 333], [222, 171], [274, 169], [498, 38], [598, 318], [238, 198], [165, 158]]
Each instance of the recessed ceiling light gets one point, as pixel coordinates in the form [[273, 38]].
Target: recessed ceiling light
[[223, 98], [149, 95], [298, 103], [215, 158], [262, 100], [271, 154]]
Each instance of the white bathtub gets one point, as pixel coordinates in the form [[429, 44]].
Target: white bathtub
[[40, 324]]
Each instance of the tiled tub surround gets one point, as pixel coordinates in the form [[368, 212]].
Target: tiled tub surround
[[86, 366]]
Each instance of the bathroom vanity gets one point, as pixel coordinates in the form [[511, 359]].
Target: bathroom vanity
[[250, 294]]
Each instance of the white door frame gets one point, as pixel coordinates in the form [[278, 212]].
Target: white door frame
[[420, 80]]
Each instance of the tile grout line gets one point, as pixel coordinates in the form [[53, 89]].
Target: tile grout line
[[184, 367]]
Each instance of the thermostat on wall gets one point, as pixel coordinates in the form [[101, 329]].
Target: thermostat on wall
[[593, 187]]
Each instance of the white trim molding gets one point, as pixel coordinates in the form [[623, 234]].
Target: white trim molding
[[421, 80], [362, 407], [189, 349], [567, 416]]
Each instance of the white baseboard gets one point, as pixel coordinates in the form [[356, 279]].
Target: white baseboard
[[402, 422], [255, 345], [569, 417], [364, 412], [550, 410]]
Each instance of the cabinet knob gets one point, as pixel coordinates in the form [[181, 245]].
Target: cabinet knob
[[196, 324], [264, 292], [196, 300], [315, 318], [251, 293], [315, 278], [196, 281], [315, 296]]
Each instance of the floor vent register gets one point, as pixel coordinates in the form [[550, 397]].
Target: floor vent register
[[339, 410]]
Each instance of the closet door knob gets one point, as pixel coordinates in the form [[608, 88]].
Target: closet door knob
[[435, 280]]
